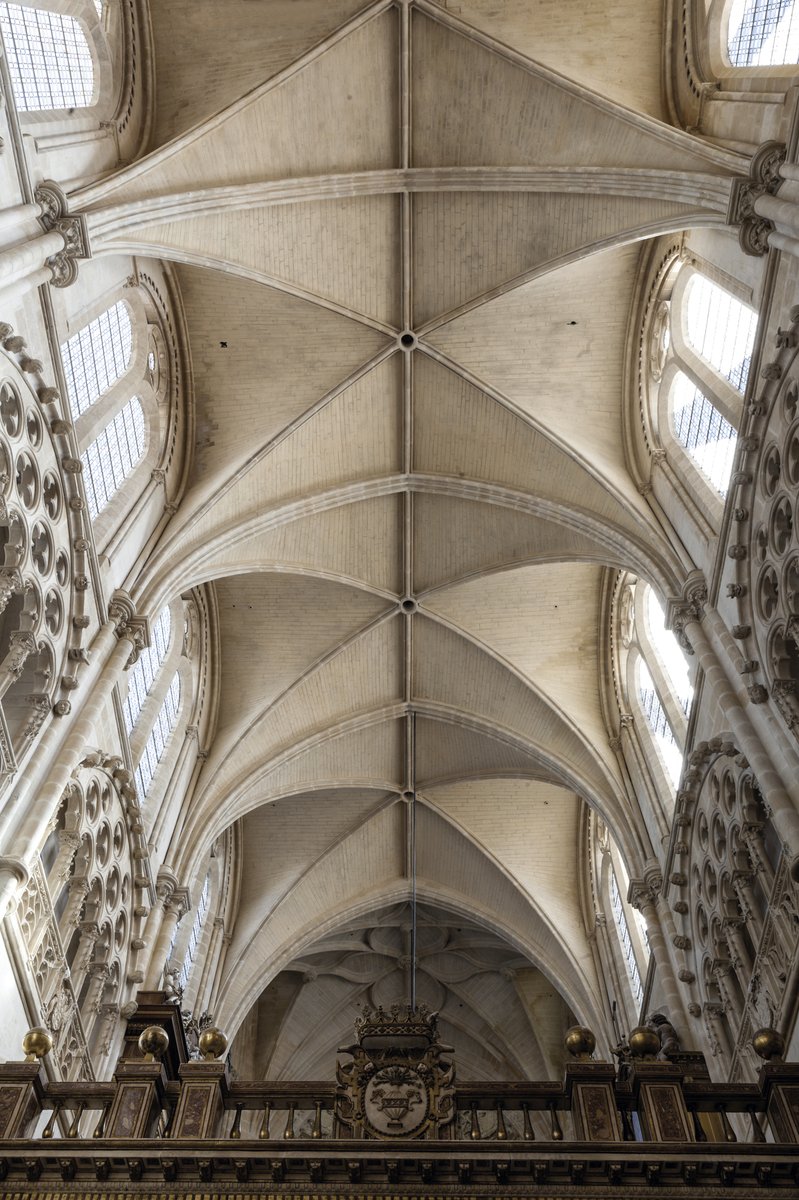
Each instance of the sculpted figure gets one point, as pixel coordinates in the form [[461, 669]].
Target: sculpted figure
[[669, 1041]]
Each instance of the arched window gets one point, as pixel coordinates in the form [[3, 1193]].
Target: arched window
[[763, 33], [159, 736], [112, 456], [142, 675], [706, 340], [48, 57], [97, 356]]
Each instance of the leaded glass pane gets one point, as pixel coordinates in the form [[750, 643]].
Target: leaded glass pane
[[659, 723], [669, 652], [721, 329], [623, 930], [196, 931], [141, 676], [159, 736], [97, 356], [703, 431], [763, 33], [48, 57], [113, 455]]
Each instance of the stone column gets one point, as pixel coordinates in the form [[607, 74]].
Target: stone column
[[173, 904], [643, 894]]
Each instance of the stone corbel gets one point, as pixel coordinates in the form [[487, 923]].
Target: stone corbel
[[73, 228], [764, 180]]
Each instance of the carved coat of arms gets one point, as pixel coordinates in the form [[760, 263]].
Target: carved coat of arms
[[397, 1084]]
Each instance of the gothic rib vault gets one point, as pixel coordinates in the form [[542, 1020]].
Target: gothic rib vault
[[407, 263], [407, 242]]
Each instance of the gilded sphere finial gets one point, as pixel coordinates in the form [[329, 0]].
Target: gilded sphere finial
[[768, 1043], [580, 1041], [212, 1042], [153, 1042], [643, 1042], [36, 1043]]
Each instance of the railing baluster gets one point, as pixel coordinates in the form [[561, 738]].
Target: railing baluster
[[501, 1131], [235, 1129], [474, 1132], [556, 1131], [47, 1132], [729, 1132], [316, 1132], [288, 1132], [263, 1132], [757, 1129], [72, 1132], [699, 1132], [529, 1135], [100, 1126]]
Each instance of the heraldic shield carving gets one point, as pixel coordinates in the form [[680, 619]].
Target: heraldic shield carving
[[398, 1084]]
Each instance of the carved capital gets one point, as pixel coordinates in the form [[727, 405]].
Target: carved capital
[[73, 229], [135, 629], [641, 894], [764, 179]]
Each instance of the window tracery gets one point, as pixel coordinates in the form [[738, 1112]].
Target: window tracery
[[36, 568], [49, 59], [79, 917], [743, 911]]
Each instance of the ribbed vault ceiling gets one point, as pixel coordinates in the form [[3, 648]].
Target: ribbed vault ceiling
[[407, 539]]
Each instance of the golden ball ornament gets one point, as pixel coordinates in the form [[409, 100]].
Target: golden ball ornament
[[643, 1042], [154, 1042], [212, 1042], [580, 1041], [36, 1043], [767, 1043]]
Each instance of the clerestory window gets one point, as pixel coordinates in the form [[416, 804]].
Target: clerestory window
[[97, 356], [142, 674], [196, 932], [159, 737], [763, 33], [703, 432], [49, 59], [113, 456], [706, 350]]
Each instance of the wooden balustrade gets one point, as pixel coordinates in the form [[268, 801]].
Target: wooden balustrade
[[166, 1118]]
